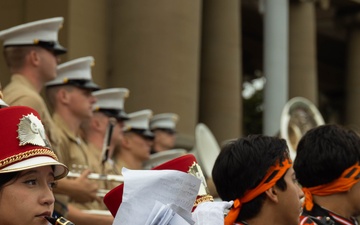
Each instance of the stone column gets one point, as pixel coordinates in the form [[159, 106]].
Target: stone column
[[352, 85], [302, 51], [155, 54], [221, 76], [275, 63]]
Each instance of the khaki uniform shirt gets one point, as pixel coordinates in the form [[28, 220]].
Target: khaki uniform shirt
[[95, 166], [76, 157], [21, 92], [114, 168]]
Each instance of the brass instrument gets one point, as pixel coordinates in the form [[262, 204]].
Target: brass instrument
[[206, 148], [96, 176], [298, 116]]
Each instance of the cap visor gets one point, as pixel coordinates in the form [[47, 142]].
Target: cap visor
[[91, 85], [59, 50], [60, 170]]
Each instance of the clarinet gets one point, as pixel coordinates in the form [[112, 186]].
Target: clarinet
[[107, 140], [59, 221]]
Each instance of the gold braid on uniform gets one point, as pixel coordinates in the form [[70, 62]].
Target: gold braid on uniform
[[205, 198], [27, 154]]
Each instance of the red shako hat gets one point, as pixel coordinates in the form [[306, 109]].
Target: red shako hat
[[24, 144], [186, 163]]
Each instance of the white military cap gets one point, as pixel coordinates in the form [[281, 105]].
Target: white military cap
[[111, 102], [3, 104], [139, 123], [165, 121], [42, 33], [76, 72]]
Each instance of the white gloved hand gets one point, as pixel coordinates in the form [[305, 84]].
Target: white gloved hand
[[210, 213]]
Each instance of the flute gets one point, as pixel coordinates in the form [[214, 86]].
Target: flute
[[59, 221]]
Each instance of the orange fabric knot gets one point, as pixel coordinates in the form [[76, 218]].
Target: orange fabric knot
[[233, 213], [342, 184], [308, 202]]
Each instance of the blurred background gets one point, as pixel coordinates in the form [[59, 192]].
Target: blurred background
[[230, 64]]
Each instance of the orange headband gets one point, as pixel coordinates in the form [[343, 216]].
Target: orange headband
[[347, 179], [273, 175]]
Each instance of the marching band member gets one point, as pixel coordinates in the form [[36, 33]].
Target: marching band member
[[70, 96], [104, 131], [256, 173], [137, 141], [29, 168], [327, 167], [164, 128]]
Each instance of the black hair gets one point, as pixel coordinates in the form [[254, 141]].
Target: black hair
[[242, 165], [5, 178], [323, 154]]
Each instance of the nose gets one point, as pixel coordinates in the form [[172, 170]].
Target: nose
[[47, 196], [58, 59], [92, 99], [301, 193]]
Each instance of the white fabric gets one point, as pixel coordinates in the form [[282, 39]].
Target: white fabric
[[211, 213]]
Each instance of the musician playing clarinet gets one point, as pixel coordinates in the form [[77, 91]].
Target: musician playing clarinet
[[29, 168]]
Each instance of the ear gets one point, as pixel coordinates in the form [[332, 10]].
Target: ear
[[272, 194], [125, 142], [34, 58], [63, 96]]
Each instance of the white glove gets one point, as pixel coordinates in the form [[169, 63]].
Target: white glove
[[210, 213]]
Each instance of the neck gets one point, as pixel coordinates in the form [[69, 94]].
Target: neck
[[337, 203], [33, 78], [72, 122], [129, 160], [269, 214], [96, 139], [159, 148]]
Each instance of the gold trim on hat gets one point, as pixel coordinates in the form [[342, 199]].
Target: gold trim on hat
[[36, 41], [65, 80], [28, 154]]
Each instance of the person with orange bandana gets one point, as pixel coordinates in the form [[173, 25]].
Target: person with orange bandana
[[327, 167], [256, 173]]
